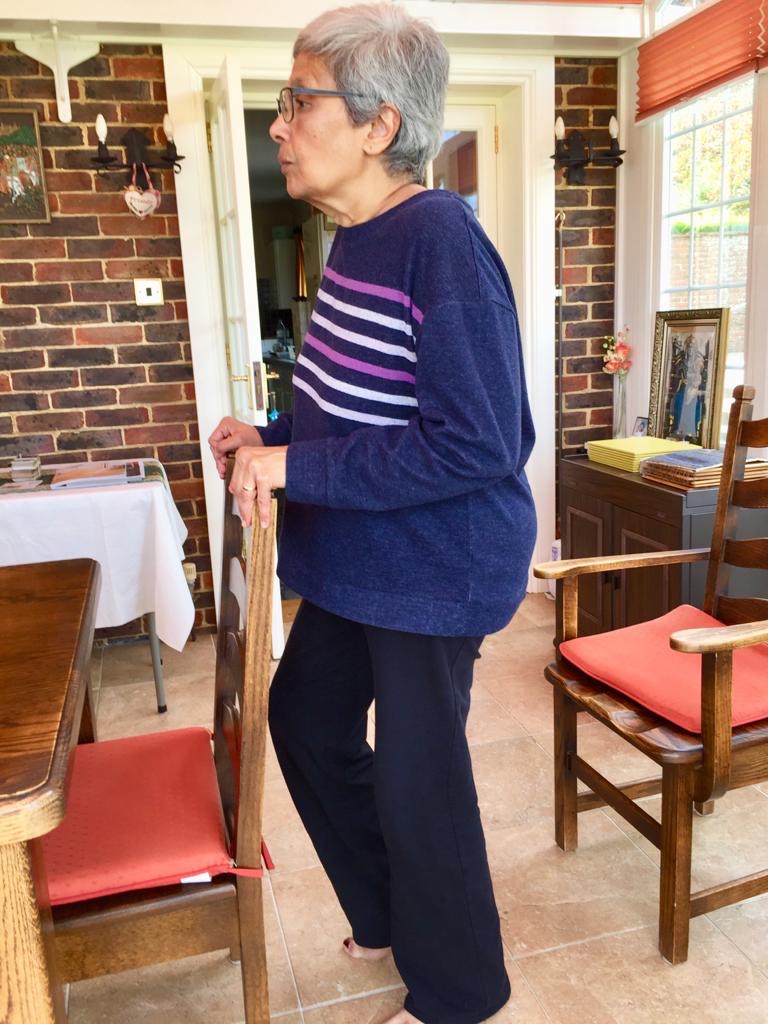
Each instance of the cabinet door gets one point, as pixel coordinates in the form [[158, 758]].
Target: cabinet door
[[586, 524], [643, 594]]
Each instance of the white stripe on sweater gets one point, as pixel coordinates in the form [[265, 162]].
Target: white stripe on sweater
[[365, 314], [346, 414], [353, 389], [362, 339]]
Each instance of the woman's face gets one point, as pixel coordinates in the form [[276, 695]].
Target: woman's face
[[321, 151]]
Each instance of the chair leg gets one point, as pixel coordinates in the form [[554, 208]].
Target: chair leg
[[253, 952], [704, 807], [676, 840], [566, 818]]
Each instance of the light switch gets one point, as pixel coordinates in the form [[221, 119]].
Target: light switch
[[149, 291]]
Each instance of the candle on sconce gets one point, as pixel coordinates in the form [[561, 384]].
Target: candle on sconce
[[101, 129], [168, 127]]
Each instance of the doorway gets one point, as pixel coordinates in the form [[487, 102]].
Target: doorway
[[520, 85]]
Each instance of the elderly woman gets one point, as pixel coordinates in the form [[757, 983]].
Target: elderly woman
[[409, 523]]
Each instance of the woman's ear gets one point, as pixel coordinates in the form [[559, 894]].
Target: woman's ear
[[382, 130]]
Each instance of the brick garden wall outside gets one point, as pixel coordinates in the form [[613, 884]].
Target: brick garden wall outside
[[85, 373], [586, 97]]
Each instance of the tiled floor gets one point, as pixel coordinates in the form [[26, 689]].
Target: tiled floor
[[579, 929]]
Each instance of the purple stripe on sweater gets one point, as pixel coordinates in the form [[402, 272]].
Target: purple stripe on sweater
[[357, 364], [376, 289]]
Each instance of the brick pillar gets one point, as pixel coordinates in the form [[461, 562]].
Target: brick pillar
[[586, 97]]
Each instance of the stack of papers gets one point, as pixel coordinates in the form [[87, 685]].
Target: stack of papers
[[627, 452], [98, 474], [701, 468]]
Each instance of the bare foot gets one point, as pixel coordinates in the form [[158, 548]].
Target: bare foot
[[402, 1017], [352, 949]]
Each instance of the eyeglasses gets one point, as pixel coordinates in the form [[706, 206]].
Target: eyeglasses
[[285, 105]]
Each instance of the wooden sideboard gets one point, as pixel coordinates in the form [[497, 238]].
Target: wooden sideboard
[[606, 511]]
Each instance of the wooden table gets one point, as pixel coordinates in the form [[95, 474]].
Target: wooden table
[[47, 615]]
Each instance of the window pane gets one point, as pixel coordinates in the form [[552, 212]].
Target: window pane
[[682, 119], [705, 247], [734, 252], [706, 238], [679, 247], [710, 106], [739, 96], [681, 172], [738, 155], [708, 164], [704, 298]]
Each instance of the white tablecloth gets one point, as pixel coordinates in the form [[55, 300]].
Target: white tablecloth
[[133, 530]]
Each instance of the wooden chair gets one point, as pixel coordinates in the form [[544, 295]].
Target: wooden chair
[[148, 811], [694, 700]]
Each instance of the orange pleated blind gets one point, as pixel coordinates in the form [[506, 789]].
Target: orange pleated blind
[[705, 50]]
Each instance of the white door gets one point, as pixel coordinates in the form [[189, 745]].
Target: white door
[[232, 195], [229, 160], [466, 162]]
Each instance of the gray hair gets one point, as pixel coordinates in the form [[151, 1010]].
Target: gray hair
[[381, 52]]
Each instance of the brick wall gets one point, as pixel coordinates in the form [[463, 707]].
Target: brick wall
[[586, 97], [85, 373]]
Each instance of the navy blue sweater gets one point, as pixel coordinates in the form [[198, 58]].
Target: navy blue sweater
[[407, 504]]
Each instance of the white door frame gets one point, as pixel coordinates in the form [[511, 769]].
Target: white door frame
[[527, 182]]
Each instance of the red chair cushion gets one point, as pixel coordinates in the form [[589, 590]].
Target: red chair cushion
[[638, 662], [142, 812]]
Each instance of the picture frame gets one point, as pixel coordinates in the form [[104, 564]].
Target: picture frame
[[23, 196], [640, 428], [687, 370]]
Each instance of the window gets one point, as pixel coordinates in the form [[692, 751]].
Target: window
[[705, 212], [668, 11]]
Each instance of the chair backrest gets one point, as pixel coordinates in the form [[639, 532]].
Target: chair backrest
[[737, 493], [243, 652]]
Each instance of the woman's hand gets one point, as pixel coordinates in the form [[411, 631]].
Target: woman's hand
[[228, 436], [257, 472]]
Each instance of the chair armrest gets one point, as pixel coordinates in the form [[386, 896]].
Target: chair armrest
[[569, 567], [720, 638]]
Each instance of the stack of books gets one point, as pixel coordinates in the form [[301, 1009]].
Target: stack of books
[[702, 468], [628, 452]]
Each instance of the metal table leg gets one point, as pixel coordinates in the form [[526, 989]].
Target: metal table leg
[[157, 663]]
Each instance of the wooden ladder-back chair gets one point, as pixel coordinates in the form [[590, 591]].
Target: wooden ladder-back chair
[[689, 690], [159, 855]]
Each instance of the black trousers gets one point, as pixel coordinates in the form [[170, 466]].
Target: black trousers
[[398, 831]]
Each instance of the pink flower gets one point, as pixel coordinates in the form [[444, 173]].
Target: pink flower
[[616, 355]]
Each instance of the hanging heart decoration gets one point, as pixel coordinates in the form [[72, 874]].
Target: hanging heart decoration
[[141, 202]]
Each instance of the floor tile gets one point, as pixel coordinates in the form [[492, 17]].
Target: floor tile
[[288, 842], [726, 845], [621, 979], [368, 1009], [547, 898], [197, 990], [514, 782], [314, 927]]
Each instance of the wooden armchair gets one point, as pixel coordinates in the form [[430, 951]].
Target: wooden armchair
[[689, 690], [159, 855]]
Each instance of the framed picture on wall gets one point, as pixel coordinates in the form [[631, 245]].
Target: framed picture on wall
[[23, 199], [687, 375]]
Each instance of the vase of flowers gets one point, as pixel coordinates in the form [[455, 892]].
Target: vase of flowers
[[617, 362]]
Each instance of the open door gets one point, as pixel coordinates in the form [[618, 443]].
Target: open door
[[242, 336], [235, 235]]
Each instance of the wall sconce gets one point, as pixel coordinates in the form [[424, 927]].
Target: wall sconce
[[576, 152], [136, 153]]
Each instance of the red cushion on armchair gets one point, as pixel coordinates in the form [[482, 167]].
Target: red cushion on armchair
[[638, 662], [142, 812]]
